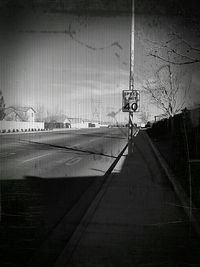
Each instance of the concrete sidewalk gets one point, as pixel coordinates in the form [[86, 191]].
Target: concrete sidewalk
[[136, 220]]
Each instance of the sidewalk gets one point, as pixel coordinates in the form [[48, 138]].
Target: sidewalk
[[136, 220]]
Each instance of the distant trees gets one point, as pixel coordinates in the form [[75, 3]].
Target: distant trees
[[2, 106], [40, 114], [45, 115]]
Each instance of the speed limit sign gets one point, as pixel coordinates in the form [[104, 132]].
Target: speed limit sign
[[130, 100]]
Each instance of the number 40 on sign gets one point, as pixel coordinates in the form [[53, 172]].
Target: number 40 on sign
[[130, 100]]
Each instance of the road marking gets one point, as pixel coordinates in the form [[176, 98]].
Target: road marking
[[73, 161], [78, 144], [27, 160], [84, 142], [6, 154], [93, 169]]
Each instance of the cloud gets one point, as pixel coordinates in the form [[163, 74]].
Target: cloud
[[117, 45]]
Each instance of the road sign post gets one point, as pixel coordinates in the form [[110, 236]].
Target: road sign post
[[130, 103]]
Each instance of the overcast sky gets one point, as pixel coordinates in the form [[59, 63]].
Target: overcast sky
[[68, 72], [79, 65]]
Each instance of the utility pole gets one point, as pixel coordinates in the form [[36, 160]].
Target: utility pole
[[131, 78]]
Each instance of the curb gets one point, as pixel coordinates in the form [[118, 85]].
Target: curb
[[67, 252], [47, 131], [177, 187], [39, 131]]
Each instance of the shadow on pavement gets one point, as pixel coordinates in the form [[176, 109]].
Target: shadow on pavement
[[103, 135], [39, 215], [32, 208]]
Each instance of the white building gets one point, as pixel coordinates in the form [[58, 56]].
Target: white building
[[20, 114]]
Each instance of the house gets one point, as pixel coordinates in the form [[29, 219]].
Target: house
[[20, 119], [26, 114]]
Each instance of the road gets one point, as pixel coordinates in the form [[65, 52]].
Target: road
[[71, 153], [48, 180]]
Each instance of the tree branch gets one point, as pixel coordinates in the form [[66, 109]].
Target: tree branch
[[158, 100], [183, 41], [174, 62]]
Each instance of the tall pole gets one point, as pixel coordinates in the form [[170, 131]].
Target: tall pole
[[131, 82], [131, 78]]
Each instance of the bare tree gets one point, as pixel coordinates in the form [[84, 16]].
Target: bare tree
[[170, 53], [176, 50], [168, 91], [2, 106], [40, 114]]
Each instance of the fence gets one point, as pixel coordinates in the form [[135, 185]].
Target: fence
[[178, 139], [56, 125], [20, 126]]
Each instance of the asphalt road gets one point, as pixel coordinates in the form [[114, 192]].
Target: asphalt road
[[71, 153], [48, 180]]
